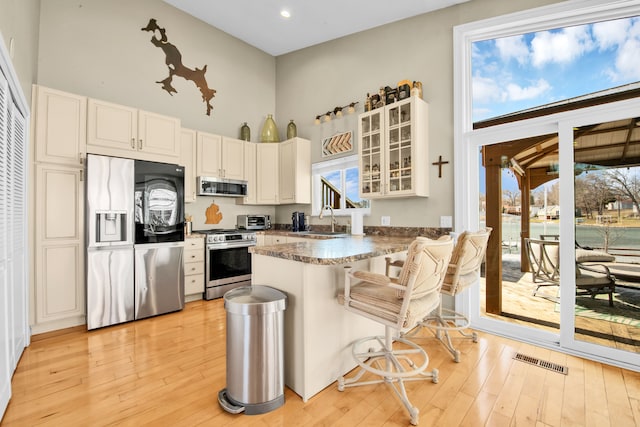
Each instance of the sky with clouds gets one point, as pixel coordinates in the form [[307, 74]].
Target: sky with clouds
[[519, 72]]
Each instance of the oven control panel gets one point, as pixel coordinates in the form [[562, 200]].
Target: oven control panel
[[248, 238]]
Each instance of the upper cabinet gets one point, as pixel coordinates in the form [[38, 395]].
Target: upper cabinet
[[250, 171], [267, 174], [393, 149], [188, 160], [220, 156], [295, 171], [60, 126], [123, 131], [283, 172]]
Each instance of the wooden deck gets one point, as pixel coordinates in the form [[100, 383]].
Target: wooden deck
[[520, 306]]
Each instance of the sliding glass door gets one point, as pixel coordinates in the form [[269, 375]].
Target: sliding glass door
[[561, 193]]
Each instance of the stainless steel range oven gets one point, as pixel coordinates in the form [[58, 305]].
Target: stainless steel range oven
[[227, 261]]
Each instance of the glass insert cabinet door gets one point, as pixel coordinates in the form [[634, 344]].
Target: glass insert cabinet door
[[393, 139], [371, 152], [398, 176]]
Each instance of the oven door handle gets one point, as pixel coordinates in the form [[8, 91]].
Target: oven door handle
[[228, 245]]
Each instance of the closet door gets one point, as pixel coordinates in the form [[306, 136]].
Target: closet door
[[6, 368], [14, 327], [17, 233]]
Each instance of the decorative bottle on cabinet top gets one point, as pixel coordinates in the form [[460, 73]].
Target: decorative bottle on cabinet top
[[269, 130], [245, 132], [292, 130]]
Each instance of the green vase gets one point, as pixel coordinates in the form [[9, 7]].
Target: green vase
[[245, 132], [269, 130], [292, 130]]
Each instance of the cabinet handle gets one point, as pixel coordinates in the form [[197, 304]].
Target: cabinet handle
[[81, 175], [193, 256], [81, 158], [133, 143], [140, 144]]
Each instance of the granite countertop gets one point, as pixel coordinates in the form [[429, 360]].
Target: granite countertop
[[335, 250], [304, 235], [194, 235]]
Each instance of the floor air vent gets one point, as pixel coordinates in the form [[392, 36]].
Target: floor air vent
[[542, 363]]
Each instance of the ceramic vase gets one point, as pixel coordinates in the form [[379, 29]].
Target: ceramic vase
[[269, 130], [292, 130], [245, 132]]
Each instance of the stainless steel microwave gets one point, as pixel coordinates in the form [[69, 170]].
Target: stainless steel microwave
[[211, 186]]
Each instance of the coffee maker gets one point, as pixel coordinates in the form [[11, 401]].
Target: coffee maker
[[297, 221]]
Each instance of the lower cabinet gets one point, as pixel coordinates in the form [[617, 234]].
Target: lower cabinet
[[193, 268], [59, 248], [276, 239]]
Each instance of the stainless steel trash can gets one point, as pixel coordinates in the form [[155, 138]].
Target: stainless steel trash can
[[255, 350]]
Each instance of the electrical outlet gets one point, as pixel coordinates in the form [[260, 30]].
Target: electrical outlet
[[446, 222], [385, 220]]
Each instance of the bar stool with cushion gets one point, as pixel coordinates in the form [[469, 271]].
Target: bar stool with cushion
[[462, 272], [399, 304]]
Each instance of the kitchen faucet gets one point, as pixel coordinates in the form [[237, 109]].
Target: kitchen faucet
[[333, 219]]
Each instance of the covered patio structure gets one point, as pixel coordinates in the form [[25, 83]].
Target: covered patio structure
[[534, 161]]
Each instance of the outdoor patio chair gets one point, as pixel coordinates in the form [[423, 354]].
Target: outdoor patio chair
[[399, 304], [592, 278]]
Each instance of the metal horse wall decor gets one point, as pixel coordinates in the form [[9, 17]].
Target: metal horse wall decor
[[176, 68]]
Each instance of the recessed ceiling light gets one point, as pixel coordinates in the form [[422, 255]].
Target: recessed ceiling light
[[285, 13]]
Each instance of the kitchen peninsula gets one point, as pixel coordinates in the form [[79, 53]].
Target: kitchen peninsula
[[318, 330]]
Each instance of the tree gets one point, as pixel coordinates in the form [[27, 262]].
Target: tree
[[625, 183], [592, 192], [553, 194], [511, 198]]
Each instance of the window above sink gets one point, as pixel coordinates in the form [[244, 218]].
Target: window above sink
[[335, 183]]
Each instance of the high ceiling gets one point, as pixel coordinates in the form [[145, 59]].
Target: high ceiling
[[259, 23]]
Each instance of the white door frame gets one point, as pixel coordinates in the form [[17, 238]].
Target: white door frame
[[466, 158]]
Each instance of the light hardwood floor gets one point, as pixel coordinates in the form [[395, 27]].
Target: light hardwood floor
[[167, 371]]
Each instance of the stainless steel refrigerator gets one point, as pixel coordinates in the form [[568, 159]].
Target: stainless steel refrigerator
[[135, 239]]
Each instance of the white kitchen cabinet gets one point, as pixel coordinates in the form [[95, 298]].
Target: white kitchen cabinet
[[188, 160], [250, 174], [220, 156], [59, 247], [283, 172], [60, 126], [118, 130], [267, 159], [275, 239], [295, 171], [393, 149], [194, 274]]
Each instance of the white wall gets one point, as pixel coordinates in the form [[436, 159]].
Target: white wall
[[96, 48], [317, 79], [19, 23], [227, 207]]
